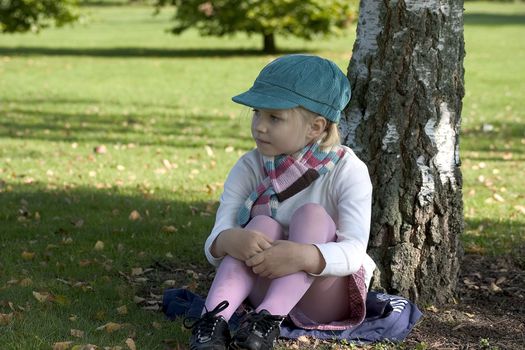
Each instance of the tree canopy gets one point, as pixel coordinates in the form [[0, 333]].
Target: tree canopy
[[33, 15], [300, 18]]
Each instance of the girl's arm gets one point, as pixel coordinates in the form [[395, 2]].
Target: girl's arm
[[242, 179], [352, 193]]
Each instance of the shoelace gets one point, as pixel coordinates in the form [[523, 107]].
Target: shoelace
[[264, 323], [205, 324]]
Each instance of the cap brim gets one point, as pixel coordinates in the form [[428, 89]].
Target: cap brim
[[263, 101]]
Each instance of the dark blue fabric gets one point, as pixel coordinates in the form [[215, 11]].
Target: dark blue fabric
[[388, 317]]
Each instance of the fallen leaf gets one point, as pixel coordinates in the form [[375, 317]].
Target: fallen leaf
[[520, 208], [432, 308], [122, 310], [166, 163], [78, 223], [498, 198], [110, 327], [135, 215], [209, 151], [28, 255], [85, 347], [99, 246], [494, 288], [169, 229], [77, 333], [170, 283], [6, 319], [136, 271], [63, 345], [303, 339], [26, 282], [131, 344], [42, 297]]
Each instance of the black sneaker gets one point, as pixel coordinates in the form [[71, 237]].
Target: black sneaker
[[210, 332], [258, 331]]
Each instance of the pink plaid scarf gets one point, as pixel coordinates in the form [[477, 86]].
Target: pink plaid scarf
[[287, 175]]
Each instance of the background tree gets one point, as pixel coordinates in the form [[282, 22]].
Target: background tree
[[403, 121], [301, 18], [33, 15]]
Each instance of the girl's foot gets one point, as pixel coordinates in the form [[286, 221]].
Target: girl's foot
[[258, 331], [210, 332]]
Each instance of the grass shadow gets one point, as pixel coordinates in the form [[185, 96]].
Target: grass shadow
[[479, 140], [138, 52], [88, 214], [493, 19], [503, 236], [172, 128]]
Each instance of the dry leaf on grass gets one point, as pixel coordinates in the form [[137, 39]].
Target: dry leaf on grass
[[99, 246], [122, 310], [28, 255], [6, 319], [110, 327], [131, 344], [63, 345], [135, 215], [42, 297], [77, 333]]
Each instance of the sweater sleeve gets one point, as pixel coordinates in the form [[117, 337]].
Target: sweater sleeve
[[241, 181], [352, 191]]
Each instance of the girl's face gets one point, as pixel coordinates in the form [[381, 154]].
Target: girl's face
[[280, 131]]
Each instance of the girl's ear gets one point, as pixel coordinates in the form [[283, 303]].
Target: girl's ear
[[317, 127]]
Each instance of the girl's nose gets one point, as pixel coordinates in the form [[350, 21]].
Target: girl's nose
[[260, 126]]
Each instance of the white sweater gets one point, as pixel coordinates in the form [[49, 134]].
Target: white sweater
[[345, 193]]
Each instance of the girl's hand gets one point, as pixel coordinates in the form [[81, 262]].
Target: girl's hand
[[240, 244], [284, 258]]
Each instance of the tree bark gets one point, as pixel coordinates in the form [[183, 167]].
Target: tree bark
[[269, 43], [403, 120]]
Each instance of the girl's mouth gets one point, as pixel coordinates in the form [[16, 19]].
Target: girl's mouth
[[262, 141]]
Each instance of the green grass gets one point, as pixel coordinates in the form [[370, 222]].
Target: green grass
[[159, 104]]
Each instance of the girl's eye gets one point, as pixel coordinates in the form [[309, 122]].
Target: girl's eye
[[275, 119]]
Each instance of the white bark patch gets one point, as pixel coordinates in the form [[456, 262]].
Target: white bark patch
[[368, 29], [426, 192], [444, 136], [417, 5], [391, 137]]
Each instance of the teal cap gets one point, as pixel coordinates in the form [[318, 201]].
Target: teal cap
[[311, 82]]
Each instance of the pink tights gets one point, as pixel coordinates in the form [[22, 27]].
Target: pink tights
[[323, 299]]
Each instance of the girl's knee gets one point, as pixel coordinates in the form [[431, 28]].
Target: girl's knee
[[310, 223], [266, 225], [310, 211], [262, 221]]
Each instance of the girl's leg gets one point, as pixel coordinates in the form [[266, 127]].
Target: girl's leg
[[310, 224], [234, 280]]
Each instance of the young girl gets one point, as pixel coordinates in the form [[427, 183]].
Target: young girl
[[292, 227]]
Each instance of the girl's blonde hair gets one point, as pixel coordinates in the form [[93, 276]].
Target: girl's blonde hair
[[330, 137]]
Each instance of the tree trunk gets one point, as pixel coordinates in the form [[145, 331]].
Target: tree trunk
[[269, 43], [403, 121]]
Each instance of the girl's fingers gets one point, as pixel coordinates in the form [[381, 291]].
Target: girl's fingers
[[264, 244], [255, 260]]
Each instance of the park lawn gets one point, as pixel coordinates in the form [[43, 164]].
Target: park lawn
[[115, 138]]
